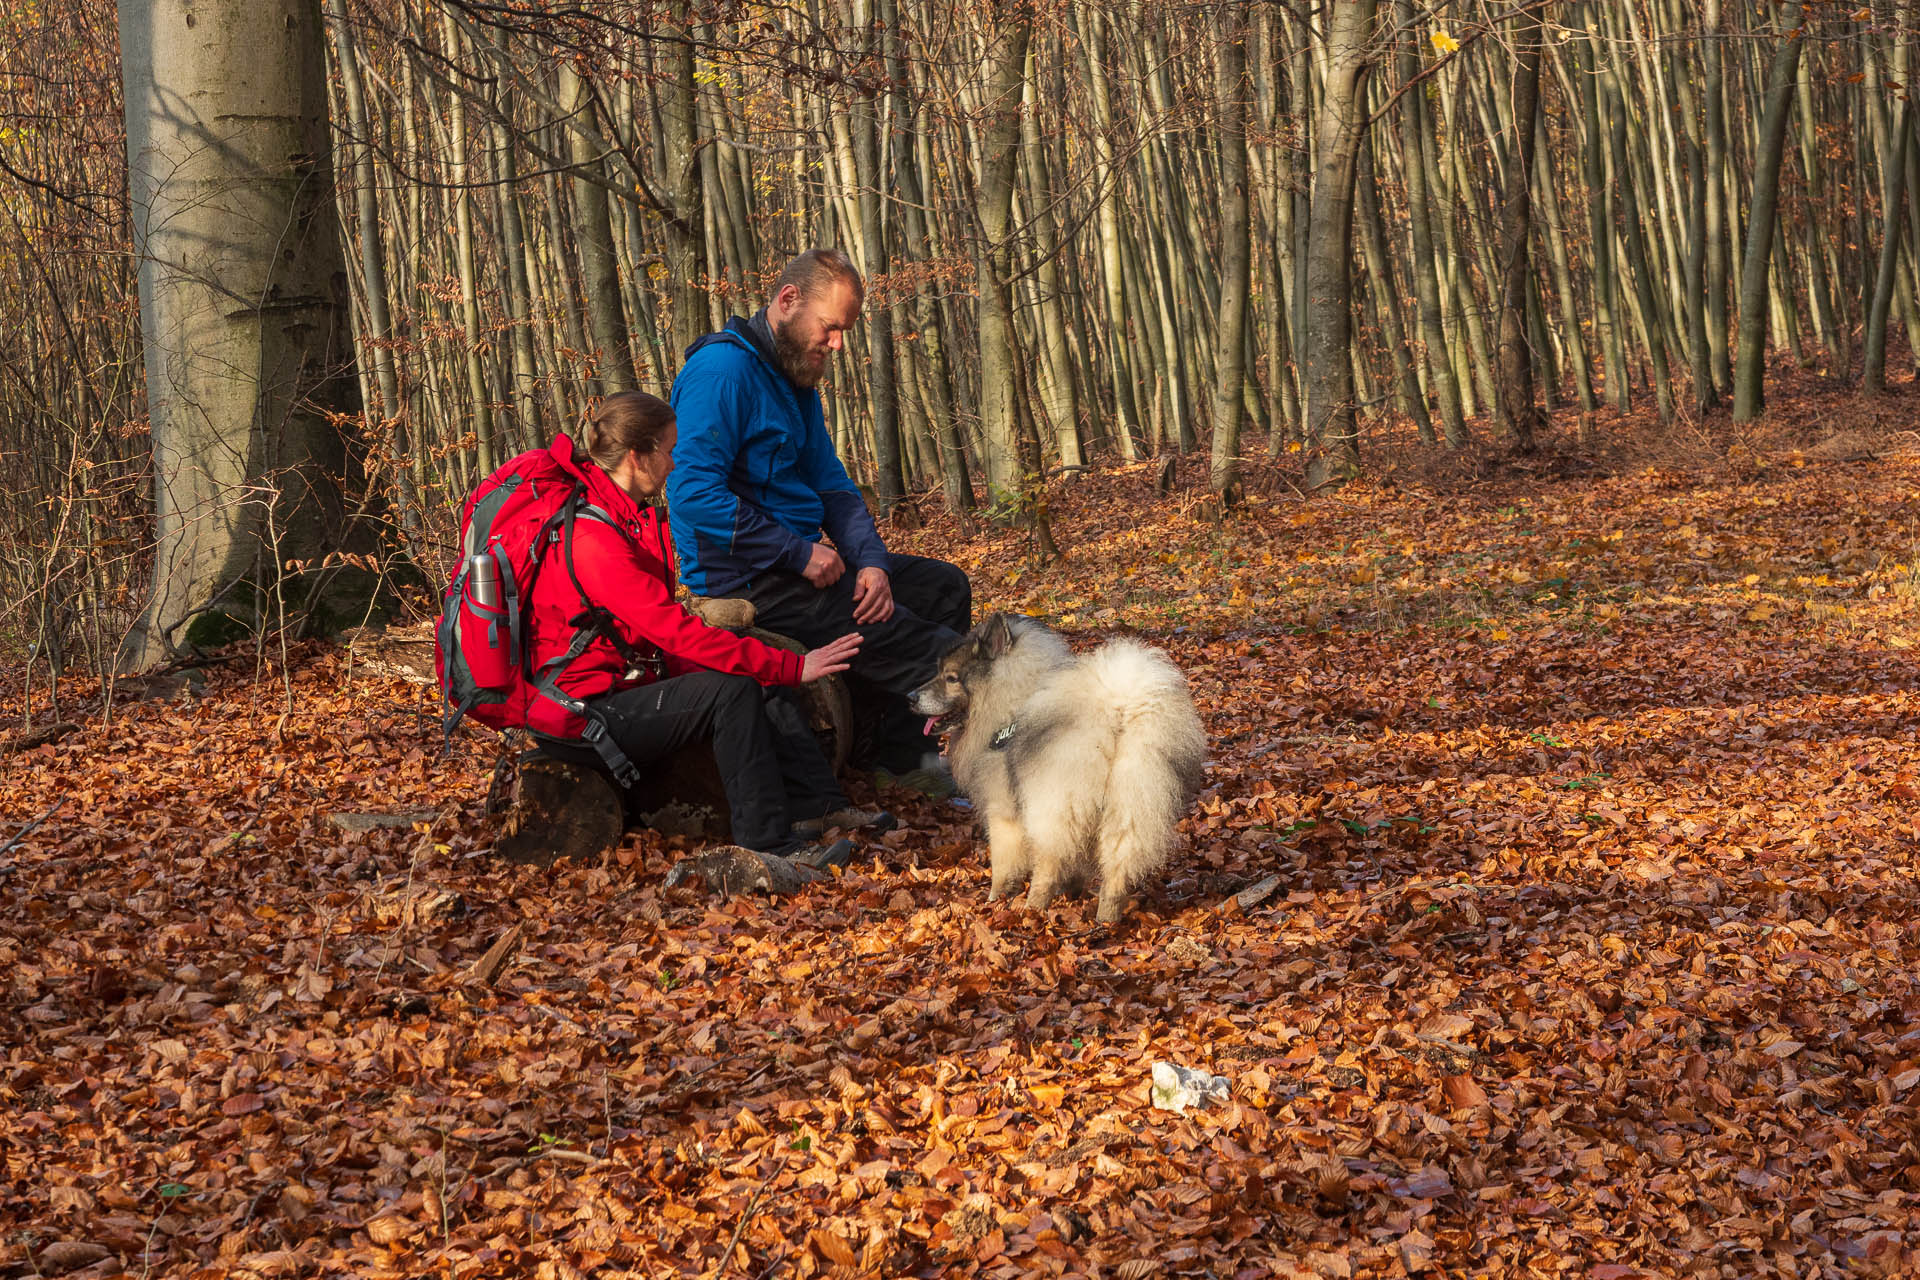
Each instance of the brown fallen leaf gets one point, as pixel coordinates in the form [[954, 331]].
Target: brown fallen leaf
[[830, 1246], [1463, 1092], [70, 1255], [1416, 1251], [1447, 1026], [391, 1228], [1331, 1265]]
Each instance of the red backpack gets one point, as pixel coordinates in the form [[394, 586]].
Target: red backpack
[[511, 522]]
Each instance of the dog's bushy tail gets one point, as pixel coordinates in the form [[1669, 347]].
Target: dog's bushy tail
[[1158, 752]]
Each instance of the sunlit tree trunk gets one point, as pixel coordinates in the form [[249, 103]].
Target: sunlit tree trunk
[[1236, 250], [1426, 283]]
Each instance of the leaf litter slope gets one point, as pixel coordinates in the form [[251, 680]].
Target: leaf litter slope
[[1594, 813]]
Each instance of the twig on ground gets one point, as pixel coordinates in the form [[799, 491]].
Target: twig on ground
[[28, 830], [746, 1216]]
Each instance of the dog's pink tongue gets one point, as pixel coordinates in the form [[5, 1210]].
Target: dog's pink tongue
[[931, 721]]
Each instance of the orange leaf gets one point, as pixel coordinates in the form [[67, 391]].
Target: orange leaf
[[832, 1247]]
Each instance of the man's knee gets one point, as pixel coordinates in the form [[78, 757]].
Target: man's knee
[[953, 591], [937, 591], [952, 580]]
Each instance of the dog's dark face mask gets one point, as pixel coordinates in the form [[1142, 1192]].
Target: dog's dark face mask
[[944, 699]]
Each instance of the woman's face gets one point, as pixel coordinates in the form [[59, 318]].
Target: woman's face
[[652, 468]]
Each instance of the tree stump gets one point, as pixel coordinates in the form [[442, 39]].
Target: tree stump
[[560, 810]]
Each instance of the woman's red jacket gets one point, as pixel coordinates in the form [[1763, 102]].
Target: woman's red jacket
[[626, 568]]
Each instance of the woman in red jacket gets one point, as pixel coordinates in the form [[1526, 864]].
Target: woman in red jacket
[[695, 682]]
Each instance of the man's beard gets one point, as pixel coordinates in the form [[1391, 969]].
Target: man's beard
[[794, 359]]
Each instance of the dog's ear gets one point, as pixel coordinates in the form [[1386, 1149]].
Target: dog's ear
[[999, 634]]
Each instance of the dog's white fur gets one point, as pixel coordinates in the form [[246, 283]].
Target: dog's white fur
[[1103, 755]]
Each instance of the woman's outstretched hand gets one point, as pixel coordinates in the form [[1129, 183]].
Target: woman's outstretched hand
[[830, 659]]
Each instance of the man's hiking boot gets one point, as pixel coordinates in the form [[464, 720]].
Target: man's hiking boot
[[822, 856], [847, 819]]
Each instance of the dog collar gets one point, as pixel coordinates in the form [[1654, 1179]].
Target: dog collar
[[1003, 735]]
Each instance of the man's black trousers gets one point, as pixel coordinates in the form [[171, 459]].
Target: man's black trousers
[[932, 609]]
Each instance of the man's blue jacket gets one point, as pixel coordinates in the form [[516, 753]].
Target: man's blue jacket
[[755, 479]]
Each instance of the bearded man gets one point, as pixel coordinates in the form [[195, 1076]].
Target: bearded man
[[763, 510]]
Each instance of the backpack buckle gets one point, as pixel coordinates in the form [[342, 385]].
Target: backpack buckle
[[595, 735]]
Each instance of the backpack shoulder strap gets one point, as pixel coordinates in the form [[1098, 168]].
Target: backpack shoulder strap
[[590, 623]]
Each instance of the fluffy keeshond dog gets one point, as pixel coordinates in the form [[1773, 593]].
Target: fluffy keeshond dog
[[1080, 766]]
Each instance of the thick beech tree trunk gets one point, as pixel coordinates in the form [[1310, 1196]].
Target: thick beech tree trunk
[[243, 307]]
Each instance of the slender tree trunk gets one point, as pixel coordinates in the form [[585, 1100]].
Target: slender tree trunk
[[1057, 397], [1124, 375], [1698, 345], [1386, 297], [1893, 170], [889, 483], [1426, 283], [481, 406], [1713, 32], [1638, 264], [999, 134], [1514, 405], [954, 481], [1749, 384], [681, 222], [1575, 344], [518, 284], [1332, 428], [1236, 251], [1606, 300], [599, 269], [373, 263]]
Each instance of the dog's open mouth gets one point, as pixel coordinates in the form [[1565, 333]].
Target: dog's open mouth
[[937, 725]]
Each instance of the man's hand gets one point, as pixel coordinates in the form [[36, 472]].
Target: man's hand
[[872, 596], [824, 566], [829, 659]]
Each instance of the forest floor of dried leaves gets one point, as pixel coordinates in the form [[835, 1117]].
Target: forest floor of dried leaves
[[1591, 786]]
